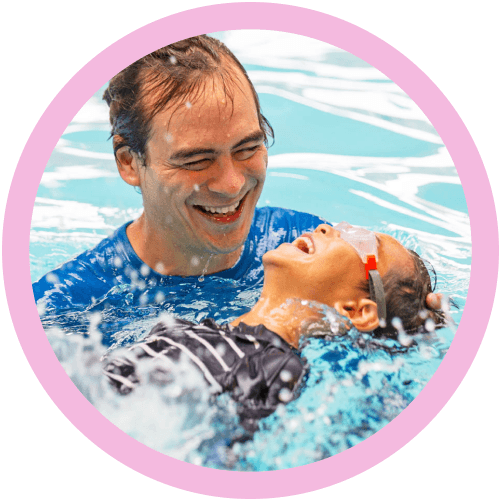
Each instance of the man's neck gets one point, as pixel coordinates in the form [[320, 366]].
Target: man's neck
[[165, 257]]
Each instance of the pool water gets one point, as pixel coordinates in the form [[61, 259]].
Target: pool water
[[350, 145]]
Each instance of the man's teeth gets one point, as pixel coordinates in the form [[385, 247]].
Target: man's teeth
[[221, 210]]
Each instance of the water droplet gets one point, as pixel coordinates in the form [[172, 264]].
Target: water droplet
[[205, 269], [175, 391], [285, 395], [430, 326], [221, 349], [41, 307], [52, 278], [94, 320], [281, 410], [397, 323], [309, 417]]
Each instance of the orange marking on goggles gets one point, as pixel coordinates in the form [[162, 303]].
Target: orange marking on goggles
[[370, 265]]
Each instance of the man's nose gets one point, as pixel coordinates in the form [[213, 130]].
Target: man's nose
[[227, 178]]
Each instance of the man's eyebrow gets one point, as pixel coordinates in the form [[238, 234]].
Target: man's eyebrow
[[185, 154], [256, 136]]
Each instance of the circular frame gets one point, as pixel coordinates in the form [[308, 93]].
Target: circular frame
[[264, 17]]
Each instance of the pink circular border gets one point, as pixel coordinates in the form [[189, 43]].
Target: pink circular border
[[264, 17]]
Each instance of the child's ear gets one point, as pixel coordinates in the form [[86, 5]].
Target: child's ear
[[362, 313], [433, 300], [128, 166]]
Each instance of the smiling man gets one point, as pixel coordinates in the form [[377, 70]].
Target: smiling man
[[187, 131], [201, 177]]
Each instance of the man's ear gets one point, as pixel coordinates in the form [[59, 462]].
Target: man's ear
[[128, 165], [362, 313]]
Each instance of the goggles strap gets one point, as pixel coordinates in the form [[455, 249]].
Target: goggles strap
[[377, 293]]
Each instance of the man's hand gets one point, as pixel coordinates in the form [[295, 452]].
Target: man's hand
[[433, 300]]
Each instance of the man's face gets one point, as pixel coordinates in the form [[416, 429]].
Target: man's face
[[206, 166]]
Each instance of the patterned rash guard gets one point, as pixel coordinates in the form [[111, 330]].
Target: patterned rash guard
[[254, 364]]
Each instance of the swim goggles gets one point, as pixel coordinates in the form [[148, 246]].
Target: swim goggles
[[365, 243]]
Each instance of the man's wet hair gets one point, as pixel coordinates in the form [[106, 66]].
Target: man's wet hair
[[176, 74], [406, 289]]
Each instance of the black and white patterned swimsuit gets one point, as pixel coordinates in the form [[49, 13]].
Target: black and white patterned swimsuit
[[253, 363]]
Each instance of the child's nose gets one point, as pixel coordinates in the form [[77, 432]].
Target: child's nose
[[325, 229]]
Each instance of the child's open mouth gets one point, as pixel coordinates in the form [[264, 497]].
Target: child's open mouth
[[305, 244]]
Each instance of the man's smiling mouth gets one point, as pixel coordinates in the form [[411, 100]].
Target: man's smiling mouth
[[224, 214]]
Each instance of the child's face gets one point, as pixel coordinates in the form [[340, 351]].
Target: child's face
[[321, 266]]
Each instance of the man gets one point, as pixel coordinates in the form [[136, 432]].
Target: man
[[189, 133]]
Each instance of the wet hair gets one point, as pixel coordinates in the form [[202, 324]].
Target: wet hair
[[173, 75], [406, 290]]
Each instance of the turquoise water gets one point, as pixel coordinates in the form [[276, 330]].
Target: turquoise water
[[350, 145]]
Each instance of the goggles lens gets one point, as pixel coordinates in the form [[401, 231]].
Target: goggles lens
[[363, 241]]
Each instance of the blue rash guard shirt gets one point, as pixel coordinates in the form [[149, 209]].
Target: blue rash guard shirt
[[111, 279]]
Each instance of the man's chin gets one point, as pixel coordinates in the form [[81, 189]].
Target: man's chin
[[226, 244], [218, 247]]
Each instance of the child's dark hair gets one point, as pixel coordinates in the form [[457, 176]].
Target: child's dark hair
[[405, 296]]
